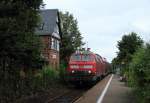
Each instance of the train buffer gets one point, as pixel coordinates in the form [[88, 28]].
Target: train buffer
[[108, 90]]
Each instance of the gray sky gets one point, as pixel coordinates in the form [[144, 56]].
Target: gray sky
[[103, 22]]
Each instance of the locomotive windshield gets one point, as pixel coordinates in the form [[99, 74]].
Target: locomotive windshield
[[76, 57], [87, 57], [82, 57]]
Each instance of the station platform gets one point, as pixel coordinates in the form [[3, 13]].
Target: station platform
[[104, 92], [118, 92]]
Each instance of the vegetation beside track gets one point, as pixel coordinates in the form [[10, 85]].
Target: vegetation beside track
[[139, 74], [20, 50], [133, 61], [43, 81]]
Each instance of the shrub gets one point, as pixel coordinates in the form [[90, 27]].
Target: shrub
[[62, 73], [139, 71], [48, 76], [49, 72], [13, 88]]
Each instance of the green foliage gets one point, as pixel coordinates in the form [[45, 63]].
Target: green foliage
[[17, 39], [50, 73], [44, 79], [127, 47], [32, 84], [139, 71], [62, 72], [134, 60], [20, 48], [71, 36]]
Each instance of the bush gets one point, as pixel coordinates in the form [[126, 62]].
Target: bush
[[139, 74], [15, 87], [47, 77], [49, 73], [62, 73]]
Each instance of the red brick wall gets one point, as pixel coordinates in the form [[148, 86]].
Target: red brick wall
[[52, 56]]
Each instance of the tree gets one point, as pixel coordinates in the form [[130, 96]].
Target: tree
[[19, 46], [128, 46], [18, 20], [139, 77], [71, 36]]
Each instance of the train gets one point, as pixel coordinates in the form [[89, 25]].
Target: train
[[86, 66]]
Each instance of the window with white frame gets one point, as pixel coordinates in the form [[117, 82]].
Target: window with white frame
[[54, 44], [57, 45]]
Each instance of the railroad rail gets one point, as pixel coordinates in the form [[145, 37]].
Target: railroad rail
[[68, 97]]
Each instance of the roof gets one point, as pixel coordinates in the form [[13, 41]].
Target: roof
[[48, 23]]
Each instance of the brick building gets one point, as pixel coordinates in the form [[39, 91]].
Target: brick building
[[50, 34]]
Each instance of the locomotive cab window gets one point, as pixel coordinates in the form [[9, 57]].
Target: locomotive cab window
[[87, 58], [75, 58]]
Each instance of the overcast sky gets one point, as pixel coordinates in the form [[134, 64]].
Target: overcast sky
[[103, 22]]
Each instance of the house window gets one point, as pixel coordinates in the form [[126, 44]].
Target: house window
[[55, 44], [52, 43]]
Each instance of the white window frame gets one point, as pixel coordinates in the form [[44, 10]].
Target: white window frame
[[57, 45], [54, 44]]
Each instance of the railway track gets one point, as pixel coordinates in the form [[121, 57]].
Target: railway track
[[68, 97]]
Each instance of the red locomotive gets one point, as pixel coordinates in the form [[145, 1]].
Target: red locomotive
[[87, 66]]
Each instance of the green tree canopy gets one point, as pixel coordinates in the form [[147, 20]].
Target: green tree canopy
[[18, 43], [19, 46], [139, 77], [71, 36], [127, 47]]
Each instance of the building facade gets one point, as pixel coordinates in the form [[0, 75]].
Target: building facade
[[50, 34]]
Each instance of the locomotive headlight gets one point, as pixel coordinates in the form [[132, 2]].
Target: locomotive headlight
[[74, 66], [72, 71], [88, 66], [89, 72]]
